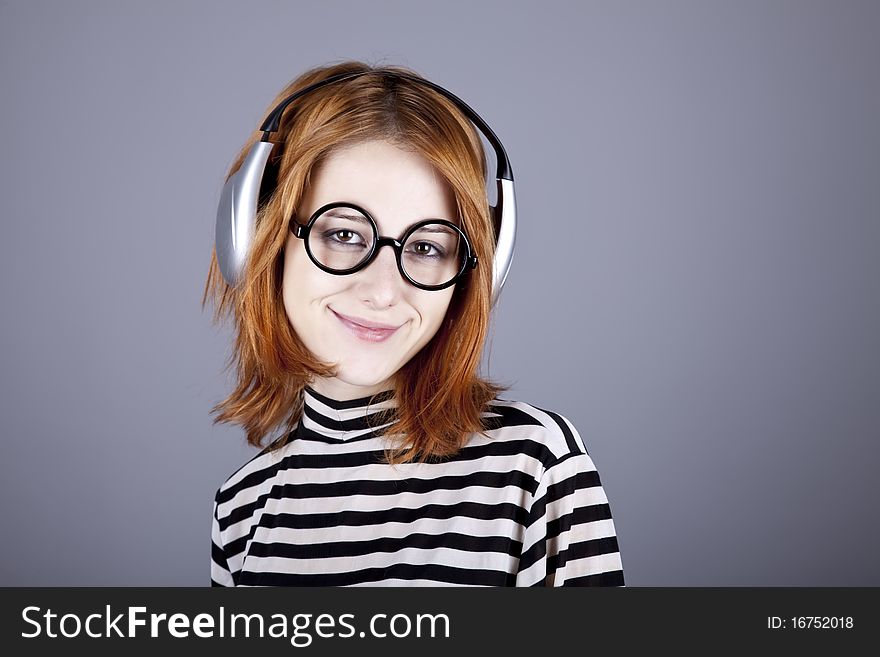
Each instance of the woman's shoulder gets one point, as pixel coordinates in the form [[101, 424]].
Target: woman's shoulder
[[258, 468], [517, 419]]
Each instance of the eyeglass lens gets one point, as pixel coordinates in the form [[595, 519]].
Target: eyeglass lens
[[342, 238]]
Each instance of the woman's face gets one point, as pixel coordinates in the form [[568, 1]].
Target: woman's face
[[398, 188]]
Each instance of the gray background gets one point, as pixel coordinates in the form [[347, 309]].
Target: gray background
[[695, 282]]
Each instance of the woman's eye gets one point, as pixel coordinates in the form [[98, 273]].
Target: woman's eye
[[343, 236], [427, 249]]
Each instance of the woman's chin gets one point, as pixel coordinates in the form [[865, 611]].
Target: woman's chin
[[366, 382], [363, 377]]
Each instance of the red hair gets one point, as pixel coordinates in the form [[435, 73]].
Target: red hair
[[439, 394]]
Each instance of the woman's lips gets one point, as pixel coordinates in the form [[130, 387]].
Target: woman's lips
[[365, 333]]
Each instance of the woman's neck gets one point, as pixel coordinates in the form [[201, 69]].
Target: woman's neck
[[340, 390]]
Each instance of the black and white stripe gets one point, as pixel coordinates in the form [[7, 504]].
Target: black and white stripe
[[523, 507]]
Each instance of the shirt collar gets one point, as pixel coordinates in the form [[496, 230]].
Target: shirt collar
[[333, 420]]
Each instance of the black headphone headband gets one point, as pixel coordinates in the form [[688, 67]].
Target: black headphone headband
[[503, 169]]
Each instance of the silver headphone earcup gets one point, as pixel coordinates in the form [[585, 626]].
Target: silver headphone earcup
[[504, 214], [237, 211]]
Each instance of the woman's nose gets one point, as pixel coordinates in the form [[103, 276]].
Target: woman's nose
[[380, 281]]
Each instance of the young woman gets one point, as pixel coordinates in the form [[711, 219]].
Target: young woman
[[396, 464]]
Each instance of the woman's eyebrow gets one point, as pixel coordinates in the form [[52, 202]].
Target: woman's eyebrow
[[351, 214], [343, 213], [436, 228]]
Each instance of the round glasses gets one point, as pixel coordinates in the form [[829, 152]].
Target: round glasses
[[342, 238]]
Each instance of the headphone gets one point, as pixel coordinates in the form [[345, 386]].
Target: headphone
[[252, 184]]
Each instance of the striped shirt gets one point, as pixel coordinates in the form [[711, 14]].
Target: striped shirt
[[521, 507]]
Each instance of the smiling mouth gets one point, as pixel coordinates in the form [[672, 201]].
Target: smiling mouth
[[365, 333]]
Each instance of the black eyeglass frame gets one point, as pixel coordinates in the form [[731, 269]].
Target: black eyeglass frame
[[302, 232]]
